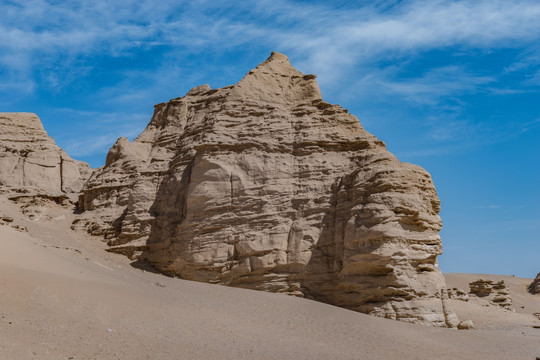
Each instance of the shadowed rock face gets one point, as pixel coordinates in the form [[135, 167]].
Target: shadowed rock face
[[263, 185], [534, 288], [31, 162]]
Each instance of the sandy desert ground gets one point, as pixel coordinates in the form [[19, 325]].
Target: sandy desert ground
[[63, 297]]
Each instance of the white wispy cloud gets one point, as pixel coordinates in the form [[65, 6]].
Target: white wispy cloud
[[324, 37], [364, 36], [98, 131], [23, 86], [454, 135], [534, 78], [492, 206], [51, 44], [433, 84]]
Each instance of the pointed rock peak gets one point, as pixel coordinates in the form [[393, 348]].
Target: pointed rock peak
[[125, 149], [198, 90], [276, 80], [274, 55], [278, 61]]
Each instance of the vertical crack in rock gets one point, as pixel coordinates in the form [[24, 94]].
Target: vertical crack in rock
[[61, 174], [450, 318], [232, 188], [22, 161]]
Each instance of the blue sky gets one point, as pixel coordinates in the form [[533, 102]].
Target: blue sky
[[453, 86]]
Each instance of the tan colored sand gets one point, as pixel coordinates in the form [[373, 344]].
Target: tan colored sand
[[63, 297]]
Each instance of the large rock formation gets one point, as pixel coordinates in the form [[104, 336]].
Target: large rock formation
[[30, 161], [264, 185]]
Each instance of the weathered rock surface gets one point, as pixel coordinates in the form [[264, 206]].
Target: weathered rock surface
[[495, 292], [264, 185], [30, 161], [458, 294], [534, 288]]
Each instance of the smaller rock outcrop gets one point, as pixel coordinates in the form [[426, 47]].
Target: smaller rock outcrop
[[495, 292], [30, 161], [8, 221], [534, 288]]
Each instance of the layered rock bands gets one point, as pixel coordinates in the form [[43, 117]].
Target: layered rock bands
[[30, 161], [264, 185]]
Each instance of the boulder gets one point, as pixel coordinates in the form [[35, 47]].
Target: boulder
[[466, 325]]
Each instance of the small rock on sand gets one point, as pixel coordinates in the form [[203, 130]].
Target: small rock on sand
[[466, 325]]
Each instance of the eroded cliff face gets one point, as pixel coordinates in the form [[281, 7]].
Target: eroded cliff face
[[30, 161], [264, 185]]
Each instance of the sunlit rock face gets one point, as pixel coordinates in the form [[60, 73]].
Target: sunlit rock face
[[264, 185], [30, 161]]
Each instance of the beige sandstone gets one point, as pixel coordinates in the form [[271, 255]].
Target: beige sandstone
[[32, 163], [264, 185], [458, 294], [496, 292]]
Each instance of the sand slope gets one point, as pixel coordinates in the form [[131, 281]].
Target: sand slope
[[63, 297]]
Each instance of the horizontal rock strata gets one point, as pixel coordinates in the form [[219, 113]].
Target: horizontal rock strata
[[264, 185], [495, 292], [534, 288], [30, 161]]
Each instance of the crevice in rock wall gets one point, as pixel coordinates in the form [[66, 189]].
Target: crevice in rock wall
[[23, 170], [232, 188], [446, 312], [320, 277], [117, 228], [169, 211], [62, 174]]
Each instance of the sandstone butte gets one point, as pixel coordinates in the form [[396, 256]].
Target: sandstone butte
[[259, 185]]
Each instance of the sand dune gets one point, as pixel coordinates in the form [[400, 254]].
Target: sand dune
[[62, 297]]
